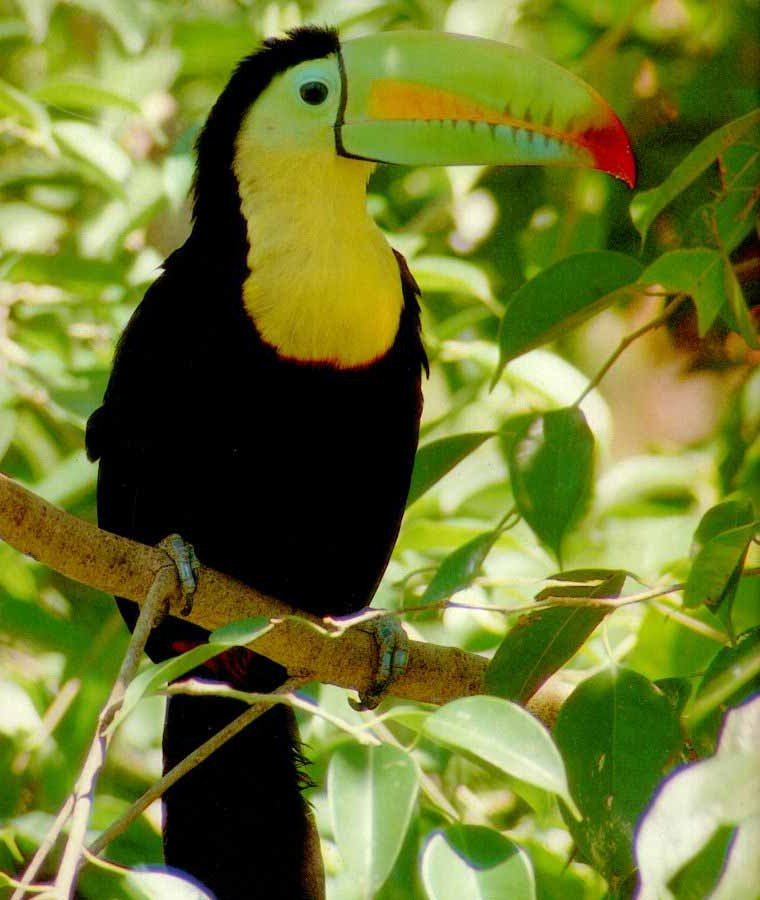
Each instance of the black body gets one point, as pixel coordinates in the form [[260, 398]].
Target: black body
[[291, 477]]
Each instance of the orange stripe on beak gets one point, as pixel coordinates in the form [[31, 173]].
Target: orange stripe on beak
[[398, 100], [394, 100]]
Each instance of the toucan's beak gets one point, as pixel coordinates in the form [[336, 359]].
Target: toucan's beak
[[425, 98]]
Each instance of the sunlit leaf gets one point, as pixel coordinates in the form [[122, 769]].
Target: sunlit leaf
[[550, 466], [646, 206], [710, 795], [17, 713], [475, 862], [437, 458], [37, 15], [24, 227], [448, 275], [616, 733], [503, 735], [560, 298], [372, 791], [157, 885]]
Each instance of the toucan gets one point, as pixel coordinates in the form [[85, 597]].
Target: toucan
[[265, 396]]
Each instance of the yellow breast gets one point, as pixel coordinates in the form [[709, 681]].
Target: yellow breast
[[324, 285]]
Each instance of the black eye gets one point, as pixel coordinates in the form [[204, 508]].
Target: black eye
[[314, 92]]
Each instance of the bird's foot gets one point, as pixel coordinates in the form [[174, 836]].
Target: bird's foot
[[393, 656], [186, 562]]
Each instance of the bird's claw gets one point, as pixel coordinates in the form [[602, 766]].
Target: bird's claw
[[184, 558], [393, 656]]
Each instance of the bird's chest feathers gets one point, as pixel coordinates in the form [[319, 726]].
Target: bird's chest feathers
[[323, 284]]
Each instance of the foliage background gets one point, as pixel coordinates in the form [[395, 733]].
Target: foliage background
[[100, 101]]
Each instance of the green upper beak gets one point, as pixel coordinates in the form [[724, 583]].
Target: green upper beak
[[425, 98]]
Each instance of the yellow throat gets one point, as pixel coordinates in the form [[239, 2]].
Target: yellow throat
[[324, 285]]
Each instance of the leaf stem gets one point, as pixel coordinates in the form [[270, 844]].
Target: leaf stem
[[626, 342]]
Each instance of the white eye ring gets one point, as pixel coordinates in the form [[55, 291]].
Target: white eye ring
[[314, 92]]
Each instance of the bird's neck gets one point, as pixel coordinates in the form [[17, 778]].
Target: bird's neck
[[323, 283]]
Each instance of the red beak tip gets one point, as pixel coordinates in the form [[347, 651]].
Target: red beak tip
[[612, 151]]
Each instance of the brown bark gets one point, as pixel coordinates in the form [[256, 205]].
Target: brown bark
[[302, 643]]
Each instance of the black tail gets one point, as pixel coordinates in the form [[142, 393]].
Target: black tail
[[238, 821]]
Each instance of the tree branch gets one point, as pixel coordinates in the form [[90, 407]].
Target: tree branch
[[78, 804], [307, 646], [84, 791]]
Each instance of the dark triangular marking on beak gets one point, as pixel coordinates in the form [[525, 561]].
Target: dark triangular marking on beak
[[341, 106], [340, 118]]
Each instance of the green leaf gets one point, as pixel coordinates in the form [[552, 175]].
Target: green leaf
[[647, 205], [697, 802], [550, 466], [477, 863], [723, 517], [699, 877], [543, 641], [241, 632], [700, 273], [737, 315], [731, 215], [677, 690], [459, 568], [560, 298], [616, 733], [71, 94], [732, 676], [438, 458], [372, 792], [97, 153], [158, 675], [719, 551], [503, 735], [717, 566]]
